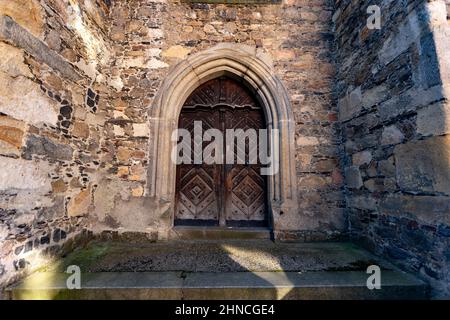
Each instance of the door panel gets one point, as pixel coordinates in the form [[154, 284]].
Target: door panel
[[246, 200], [198, 197], [198, 185], [246, 188]]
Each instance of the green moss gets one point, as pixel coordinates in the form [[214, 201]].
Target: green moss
[[85, 257]]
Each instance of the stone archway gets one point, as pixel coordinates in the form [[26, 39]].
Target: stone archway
[[243, 63]]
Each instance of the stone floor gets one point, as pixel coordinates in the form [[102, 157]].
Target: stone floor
[[245, 269], [221, 256]]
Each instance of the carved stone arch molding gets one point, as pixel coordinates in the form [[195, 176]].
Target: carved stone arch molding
[[244, 64]]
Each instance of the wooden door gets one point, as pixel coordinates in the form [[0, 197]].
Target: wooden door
[[221, 194]]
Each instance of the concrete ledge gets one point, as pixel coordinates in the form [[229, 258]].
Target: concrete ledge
[[233, 285]]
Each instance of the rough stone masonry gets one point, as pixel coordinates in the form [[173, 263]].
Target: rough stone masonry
[[371, 112]]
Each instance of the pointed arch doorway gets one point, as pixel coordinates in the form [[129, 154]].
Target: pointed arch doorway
[[256, 72], [221, 194]]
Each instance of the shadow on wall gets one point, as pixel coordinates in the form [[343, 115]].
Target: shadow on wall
[[395, 113]]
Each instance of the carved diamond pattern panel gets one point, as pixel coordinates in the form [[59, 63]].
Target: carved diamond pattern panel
[[197, 198], [196, 190], [247, 196]]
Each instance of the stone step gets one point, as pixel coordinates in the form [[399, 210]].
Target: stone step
[[229, 285], [219, 233]]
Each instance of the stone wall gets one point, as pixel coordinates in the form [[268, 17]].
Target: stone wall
[[52, 97], [152, 36], [393, 94]]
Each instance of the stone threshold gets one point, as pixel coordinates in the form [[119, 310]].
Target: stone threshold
[[217, 233]]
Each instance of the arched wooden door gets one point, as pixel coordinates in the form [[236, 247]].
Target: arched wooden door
[[221, 194]]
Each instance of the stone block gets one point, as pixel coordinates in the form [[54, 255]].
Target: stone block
[[423, 166], [140, 130], [123, 171], [374, 185], [21, 98], [371, 169], [80, 130], [118, 131], [386, 168], [350, 105], [362, 202], [153, 33], [12, 61], [138, 154], [353, 177], [391, 135], [24, 175], [430, 210], [390, 185], [325, 165], [313, 181], [144, 62], [177, 51], [123, 154], [79, 204], [284, 54], [307, 141], [54, 82], [209, 29], [118, 34], [374, 96], [361, 158], [58, 186], [27, 13], [434, 120], [43, 146], [53, 40], [336, 177], [137, 192], [57, 209], [11, 135]]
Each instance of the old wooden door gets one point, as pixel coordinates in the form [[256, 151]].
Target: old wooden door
[[226, 194]]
